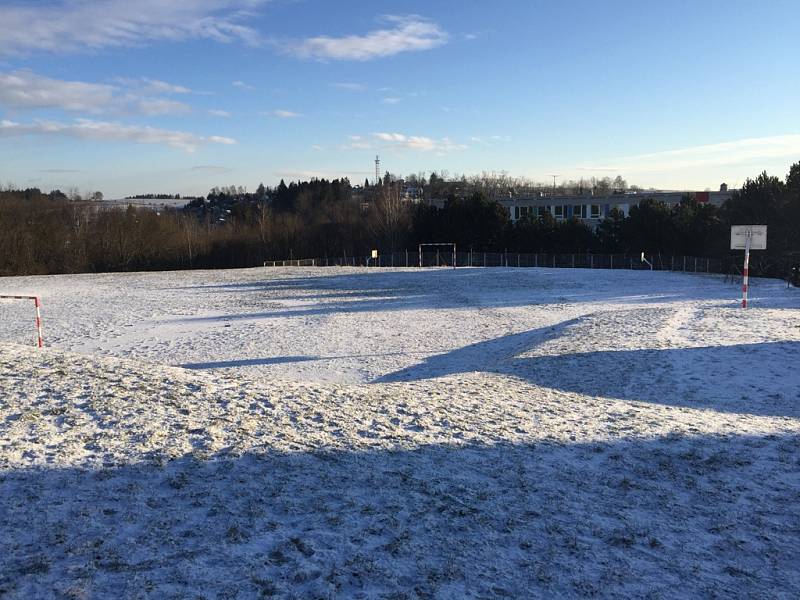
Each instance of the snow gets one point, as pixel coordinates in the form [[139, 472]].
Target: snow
[[399, 434]]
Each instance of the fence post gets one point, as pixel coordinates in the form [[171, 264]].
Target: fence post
[[695, 264], [517, 259], [573, 261], [536, 260], [612, 262], [684, 264], [437, 257], [554, 261], [484, 259]]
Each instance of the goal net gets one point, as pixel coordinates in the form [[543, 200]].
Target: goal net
[[37, 303], [439, 254]]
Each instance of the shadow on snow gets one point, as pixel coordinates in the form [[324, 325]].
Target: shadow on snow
[[697, 514], [460, 289], [715, 377]]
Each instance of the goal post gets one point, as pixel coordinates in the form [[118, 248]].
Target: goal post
[[438, 245], [37, 303]]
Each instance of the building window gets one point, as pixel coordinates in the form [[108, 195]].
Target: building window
[[559, 211], [544, 210], [595, 211], [516, 213], [579, 211]]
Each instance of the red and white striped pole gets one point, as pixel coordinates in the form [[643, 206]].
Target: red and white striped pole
[[38, 303], [746, 271]]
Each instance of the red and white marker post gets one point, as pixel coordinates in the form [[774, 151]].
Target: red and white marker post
[[37, 302], [746, 270], [748, 237]]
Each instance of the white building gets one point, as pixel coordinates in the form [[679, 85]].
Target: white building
[[594, 209]]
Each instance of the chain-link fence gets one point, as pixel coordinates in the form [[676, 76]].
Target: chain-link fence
[[730, 266]]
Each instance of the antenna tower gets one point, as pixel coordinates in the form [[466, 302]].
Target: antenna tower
[[377, 169]]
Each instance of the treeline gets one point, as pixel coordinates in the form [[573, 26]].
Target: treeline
[[53, 233]]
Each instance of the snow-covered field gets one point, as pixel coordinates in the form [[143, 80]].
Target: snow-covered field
[[358, 433]]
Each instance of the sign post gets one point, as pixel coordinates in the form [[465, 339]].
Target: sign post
[[748, 237]]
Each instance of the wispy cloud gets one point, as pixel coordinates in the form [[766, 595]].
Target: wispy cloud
[[349, 86], [152, 86], [60, 171], [392, 100], [214, 112], [160, 106], [27, 90], [401, 141], [418, 142], [110, 131], [211, 169], [356, 142], [407, 34], [283, 114], [490, 140], [79, 25], [726, 153], [243, 86]]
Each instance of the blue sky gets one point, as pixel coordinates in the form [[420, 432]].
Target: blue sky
[[176, 97]]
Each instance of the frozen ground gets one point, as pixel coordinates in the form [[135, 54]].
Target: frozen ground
[[399, 434]]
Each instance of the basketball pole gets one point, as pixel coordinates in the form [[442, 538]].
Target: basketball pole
[[746, 270]]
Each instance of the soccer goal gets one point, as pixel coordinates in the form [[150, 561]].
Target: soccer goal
[[441, 256], [37, 303]]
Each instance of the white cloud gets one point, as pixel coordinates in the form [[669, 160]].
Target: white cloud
[[159, 106], [356, 142], [109, 131], [317, 147], [78, 25], [726, 153], [242, 86], [219, 139], [147, 85], [214, 112], [417, 142], [24, 89], [349, 86], [392, 100], [408, 34], [283, 114], [491, 140], [27, 90]]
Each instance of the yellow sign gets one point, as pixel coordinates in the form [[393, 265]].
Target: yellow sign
[[374, 254]]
